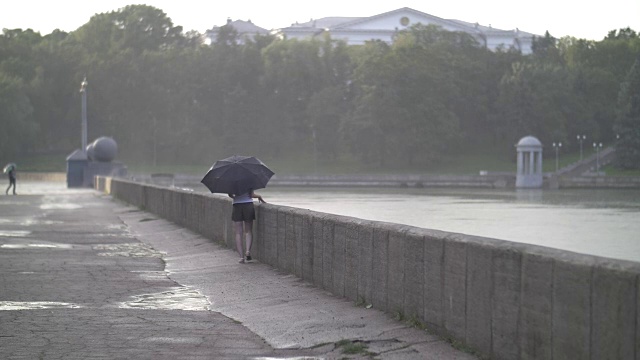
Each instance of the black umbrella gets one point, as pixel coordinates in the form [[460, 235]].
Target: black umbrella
[[237, 175]]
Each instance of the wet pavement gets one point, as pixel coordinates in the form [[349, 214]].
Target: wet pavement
[[83, 276]]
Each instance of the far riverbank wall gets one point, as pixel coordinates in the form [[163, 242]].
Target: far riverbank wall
[[487, 181], [506, 300]]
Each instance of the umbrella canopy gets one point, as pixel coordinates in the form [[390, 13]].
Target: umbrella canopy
[[8, 167], [237, 175]]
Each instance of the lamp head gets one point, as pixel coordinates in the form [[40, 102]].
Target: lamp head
[[83, 85]]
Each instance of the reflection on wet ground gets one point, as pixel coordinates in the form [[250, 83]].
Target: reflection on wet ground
[[128, 250], [14, 233], [175, 340], [60, 206], [178, 298], [290, 358], [26, 188], [35, 246], [152, 275], [29, 222], [36, 305]]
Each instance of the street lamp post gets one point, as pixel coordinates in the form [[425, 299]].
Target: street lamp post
[[581, 138], [557, 147], [597, 147], [83, 92], [315, 150]]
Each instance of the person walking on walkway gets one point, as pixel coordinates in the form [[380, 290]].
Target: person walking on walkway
[[242, 216], [10, 170]]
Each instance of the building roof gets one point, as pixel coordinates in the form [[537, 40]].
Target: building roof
[[492, 30], [327, 22], [529, 141], [77, 155], [404, 9], [346, 23], [245, 29], [242, 27]]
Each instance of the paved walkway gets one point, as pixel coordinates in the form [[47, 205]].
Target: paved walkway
[[83, 276]]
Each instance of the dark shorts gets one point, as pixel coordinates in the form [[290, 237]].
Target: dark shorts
[[243, 212]]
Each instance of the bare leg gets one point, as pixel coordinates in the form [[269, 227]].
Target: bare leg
[[238, 230], [248, 235]]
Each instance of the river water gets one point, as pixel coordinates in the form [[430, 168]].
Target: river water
[[598, 222]]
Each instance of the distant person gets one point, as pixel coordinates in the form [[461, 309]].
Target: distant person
[[10, 170], [242, 216]]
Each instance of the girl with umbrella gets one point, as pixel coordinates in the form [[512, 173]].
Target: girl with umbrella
[[242, 216], [10, 170], [238, 176]]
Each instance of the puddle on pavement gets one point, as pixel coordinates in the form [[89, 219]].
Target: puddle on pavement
[[36, 305], [14, 202], [152, 275], [118, 235], [116, 227], [127, 250], [36, 246], [29, 222], [290, 358], [175, 340], [64, 206], [14, 233], [178, 298]]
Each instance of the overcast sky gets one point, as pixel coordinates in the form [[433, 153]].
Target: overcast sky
[[582, 19]]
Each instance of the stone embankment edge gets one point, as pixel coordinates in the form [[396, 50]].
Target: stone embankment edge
[[489, 181], [42, 176], [505, 300]]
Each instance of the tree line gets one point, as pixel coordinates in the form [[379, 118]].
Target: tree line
[[167, 97]]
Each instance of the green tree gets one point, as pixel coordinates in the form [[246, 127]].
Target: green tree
[[131, 57], [536, 99], [627, 123], [17, 48], [598, 68], [363, 128], [236, 76], [18, 130], [324, 113], [329, 104], [546, 49], [616, 53], [293, 72], [51, 92], [136, 27], [411, 96]]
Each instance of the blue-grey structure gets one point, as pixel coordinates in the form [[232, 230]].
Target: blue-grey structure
[[97, 159]]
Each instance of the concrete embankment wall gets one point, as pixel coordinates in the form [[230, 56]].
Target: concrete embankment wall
[[405, 180], [604, 182], [41, 176], [506, 300]]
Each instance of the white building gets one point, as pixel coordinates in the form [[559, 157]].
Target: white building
[[358, 30], [246, 30]]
